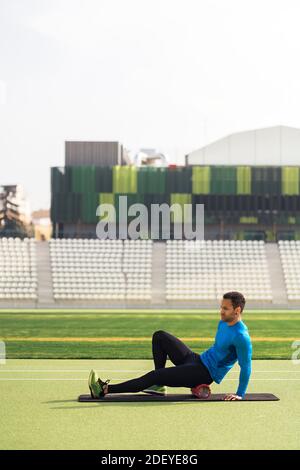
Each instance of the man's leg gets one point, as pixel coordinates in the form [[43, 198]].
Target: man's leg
[[187, 375], [164, 344]]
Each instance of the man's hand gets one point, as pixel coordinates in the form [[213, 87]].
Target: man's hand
[[232, 397]]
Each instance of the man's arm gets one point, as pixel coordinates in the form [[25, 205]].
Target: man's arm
[[244, 353]]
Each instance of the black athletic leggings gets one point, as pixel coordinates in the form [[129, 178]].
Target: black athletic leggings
[[189, 370]]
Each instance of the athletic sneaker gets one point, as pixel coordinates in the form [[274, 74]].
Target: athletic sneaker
[[156, 390], [96, 385]]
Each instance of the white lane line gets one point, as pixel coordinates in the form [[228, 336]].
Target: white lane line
[[55, 379], [130, 378], [125, 370], [71, 370]]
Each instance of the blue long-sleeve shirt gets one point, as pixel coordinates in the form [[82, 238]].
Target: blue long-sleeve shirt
[[232, 343]]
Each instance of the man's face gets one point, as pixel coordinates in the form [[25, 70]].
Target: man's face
[[227, 312]]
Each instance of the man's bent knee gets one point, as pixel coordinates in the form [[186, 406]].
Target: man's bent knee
[[157, 334]]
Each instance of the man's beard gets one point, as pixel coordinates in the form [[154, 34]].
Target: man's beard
[[228, 319]]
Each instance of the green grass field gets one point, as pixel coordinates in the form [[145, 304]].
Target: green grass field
[[50, 354], [117, 334], [39, 410]]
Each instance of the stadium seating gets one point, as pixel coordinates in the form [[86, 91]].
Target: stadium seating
[[18, 275], [290, 260], [204, 270], [109, 270], [137, 267], [101, 269]]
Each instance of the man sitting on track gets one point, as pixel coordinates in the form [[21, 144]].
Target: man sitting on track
[[232, 343]]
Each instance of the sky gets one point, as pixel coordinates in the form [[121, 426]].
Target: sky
[[173, 75]]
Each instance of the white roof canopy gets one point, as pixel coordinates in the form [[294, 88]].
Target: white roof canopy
[[278, 145]]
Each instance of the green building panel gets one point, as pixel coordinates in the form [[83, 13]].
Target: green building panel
[[124, 179], [76, 192], [83, 179], [61, 181], [201, 179], [66, 208], [274, 185], [90, 202], [266, 180], [150, 199], [151, 180], [103, 179], [223, 180], [107, 198], [179, 180], [290, 180], [180, 199], [257, 180], [243, 180], [131, 199]]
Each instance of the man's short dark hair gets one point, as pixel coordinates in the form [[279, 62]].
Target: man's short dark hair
[[237, 299]]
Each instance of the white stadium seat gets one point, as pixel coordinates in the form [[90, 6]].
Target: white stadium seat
[[204, 270], [290, 261], [101, 269], [18, 278]]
